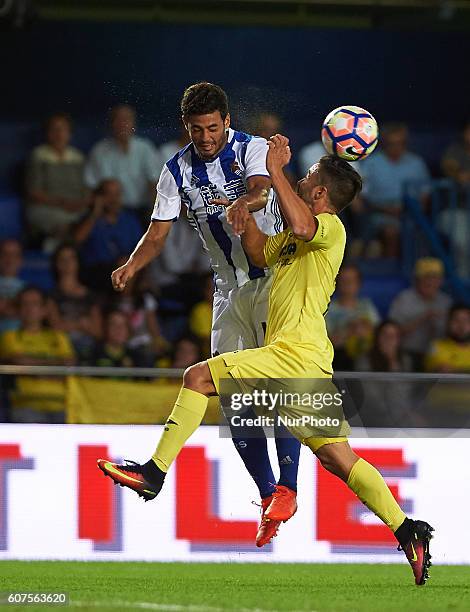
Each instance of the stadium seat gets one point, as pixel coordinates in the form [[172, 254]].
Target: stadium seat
[[36, 270], [382, 289], [10, 216]]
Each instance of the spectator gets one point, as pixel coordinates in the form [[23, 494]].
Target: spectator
[[200, 318], [168, 149], [105, 234], [386, 174], [386, 354], [456, 159], [138, 302], [180, 264], [113, 351], [421, 311], [267, 124], [36, 399], [72, 307], [347, 307], [55, 187], [452, 353], [128, 157], [187, 352], [11, 260], [453, 222]]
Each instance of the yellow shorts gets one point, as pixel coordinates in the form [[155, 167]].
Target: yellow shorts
[[279, 363]]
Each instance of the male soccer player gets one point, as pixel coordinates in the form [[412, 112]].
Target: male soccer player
[[220, 165], [306, 256]]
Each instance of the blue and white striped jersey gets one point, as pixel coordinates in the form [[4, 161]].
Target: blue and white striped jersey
[[187, 179]]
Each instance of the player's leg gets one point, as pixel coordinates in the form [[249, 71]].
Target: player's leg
[[369, 486], [189, 409], [230, 334], [251, 310]]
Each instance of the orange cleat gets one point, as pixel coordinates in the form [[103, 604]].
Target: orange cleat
[[129, 475], [283, 505], [417, 551], [268, 528]]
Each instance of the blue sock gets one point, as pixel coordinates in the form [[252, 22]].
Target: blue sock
[[254, 453], [288, 452]]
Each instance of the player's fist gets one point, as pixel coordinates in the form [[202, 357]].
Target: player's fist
[[278, 154], [121, 276], [238, 215]]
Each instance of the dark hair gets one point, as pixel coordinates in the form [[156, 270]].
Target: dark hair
[[64, 246], [115, 109], [204, 98], [394, 127], [456, 308], [60, 115], [29, 289], [101, 187], [341, 180], [378, 361], [351, 266]]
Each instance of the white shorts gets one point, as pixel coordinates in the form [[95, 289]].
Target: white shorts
[[239, 317]]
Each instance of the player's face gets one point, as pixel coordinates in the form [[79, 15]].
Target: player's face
[[310, 190], [208, 133]]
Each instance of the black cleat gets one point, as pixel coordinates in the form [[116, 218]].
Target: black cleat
[[130, 475], [417, 551]]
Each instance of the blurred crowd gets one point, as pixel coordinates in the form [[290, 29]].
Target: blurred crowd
[[88, 212]]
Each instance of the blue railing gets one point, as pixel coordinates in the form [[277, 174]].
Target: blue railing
[[440, 229]]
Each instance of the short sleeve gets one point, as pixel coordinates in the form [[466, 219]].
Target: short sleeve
[[255, 158], [273, 246], [327, 232], [168, 201]]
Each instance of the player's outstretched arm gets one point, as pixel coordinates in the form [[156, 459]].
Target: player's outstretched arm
[[257, 193], [297, 214], [253, 241], [148, 247]]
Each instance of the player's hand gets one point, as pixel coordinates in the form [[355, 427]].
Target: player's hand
[[279, 153], [121, 276], [238, 215]]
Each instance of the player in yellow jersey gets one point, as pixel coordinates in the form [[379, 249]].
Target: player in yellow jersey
[[306, 258]]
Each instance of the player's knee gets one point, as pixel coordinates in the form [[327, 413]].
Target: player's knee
[[195, 377], [337, 458]]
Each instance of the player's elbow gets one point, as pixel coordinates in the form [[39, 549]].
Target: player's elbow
[[304, 231], [257, 259]]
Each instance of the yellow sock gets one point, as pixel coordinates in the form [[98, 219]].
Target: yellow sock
[[370, 487], [185, 418]]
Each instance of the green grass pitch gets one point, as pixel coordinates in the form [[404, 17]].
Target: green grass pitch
[[210, 587]]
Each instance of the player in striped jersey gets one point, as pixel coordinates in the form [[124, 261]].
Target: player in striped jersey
[[223, 166]]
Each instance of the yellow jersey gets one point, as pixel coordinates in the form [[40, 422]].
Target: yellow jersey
[[36, 392], [304, 280], [447, 354]]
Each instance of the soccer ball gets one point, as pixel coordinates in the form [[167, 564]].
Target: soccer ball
[[350, 132]]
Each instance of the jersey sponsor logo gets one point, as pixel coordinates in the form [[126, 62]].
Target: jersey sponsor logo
[[234, 189], [209, 193], [288, 249], [235, 168]]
